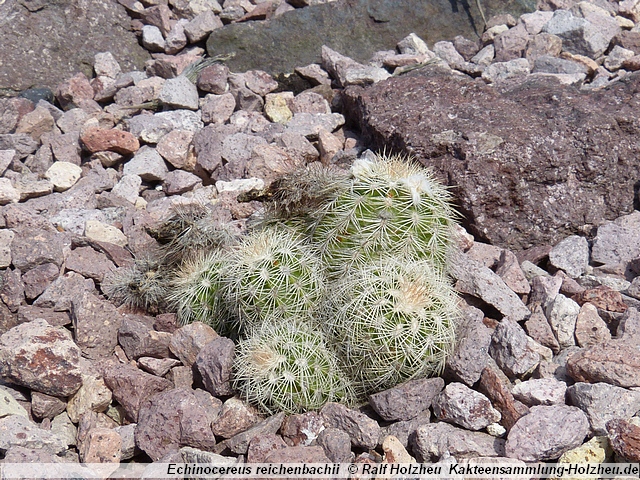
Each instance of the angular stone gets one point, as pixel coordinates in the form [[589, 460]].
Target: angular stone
[[113, 140], [41, 357], [89, 263], [497, 390], [364, 431], [59, 295], [602, 297], [478, 280], [462, 406], [38, 279], [213, 79], [147, 164], [546, 433], [615, 362], [172, 419], [138, 340], [439, 439], [174, 147], [512, 350], [538, 328], [310, 124], [10, 406], [178, 182], [563, 314], [214, 362], [93, 396], [625, 439], [302, 429], [12, 291], [102, 445], [571, 255], [540, 391], [152, 39], [131, 387], [336, 444], [188, 340], [471, 353], [590, 328], [63, 175], [235, 417], [239, 443], [179, 92], [157, 366], [406, 400], [32, 246], [511, 44], [579, 36], [95, 325], [46, 406], [603, 402], [19, 431]]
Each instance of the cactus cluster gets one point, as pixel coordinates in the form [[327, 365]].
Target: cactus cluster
[[339, 292]]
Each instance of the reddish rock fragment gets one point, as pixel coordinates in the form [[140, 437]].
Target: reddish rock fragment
[[625, 439], [602, 297], [114, 140], [498, 392], [616, 362]]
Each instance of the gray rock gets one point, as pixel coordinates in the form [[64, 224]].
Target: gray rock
[[347, 71], [629, 326], [139, 340], [471, 353], [462, 406], [479, 281], [21, 143], [363, 431], [617, 57], [157, 366], [12, 291], [179, 92], [172, 419], [373, 25], [544, 290], [19, 431], [214, 362], [218, 108], [406, 400], [546, 433], [534, 21], [405, 429], [63, 290], [563, 314], [512, 349], [10, 406], [150, 128], [579, 36], [208, 147], [127, 434], [617, 241], [236, 151], [511, 44], [550, 64], [540, 391], [38, 279], [128, 187], [42, 358], [64, 428], [615, 362], [437, 440], [571, 255], [310, 124], [152, 39], [603, 402], [501, 71], [147, 164], [336, 444], [93, 396], [178, 182], [31, 58]]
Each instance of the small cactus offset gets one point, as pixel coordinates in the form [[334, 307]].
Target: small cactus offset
[[196, 292], [392, 320], [393, 207], [274, 273], [287, 367], [142, 285]]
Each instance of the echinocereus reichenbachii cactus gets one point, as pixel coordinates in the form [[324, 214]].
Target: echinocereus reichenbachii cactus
[[392, 207], [274, 273], [286, 366], [392, 320], [197, 292]]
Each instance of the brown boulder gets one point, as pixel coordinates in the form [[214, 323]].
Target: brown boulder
[[529, 163]]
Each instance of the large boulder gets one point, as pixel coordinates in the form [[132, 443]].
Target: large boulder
[[529, 163], [356, 28], [46, 42]]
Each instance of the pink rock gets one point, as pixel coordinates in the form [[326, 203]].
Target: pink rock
[[71, 92]]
